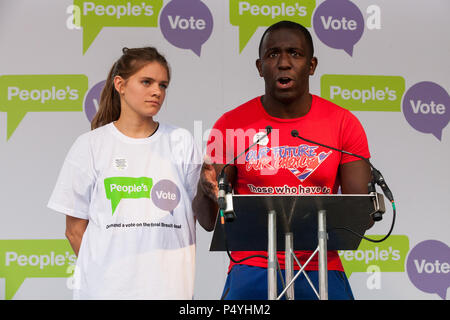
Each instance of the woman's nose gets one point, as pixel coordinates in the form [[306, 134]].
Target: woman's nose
[[156, 91]]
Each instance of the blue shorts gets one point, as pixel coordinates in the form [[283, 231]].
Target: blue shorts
[[250, 283]]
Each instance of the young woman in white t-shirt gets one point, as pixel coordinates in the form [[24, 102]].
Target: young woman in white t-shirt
[[134, 92], [126, 188]]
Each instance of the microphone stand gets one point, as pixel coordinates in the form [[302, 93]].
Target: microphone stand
[[377, 178], [224, 197]]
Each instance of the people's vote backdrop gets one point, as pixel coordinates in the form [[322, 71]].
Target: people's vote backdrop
[[386, 61]]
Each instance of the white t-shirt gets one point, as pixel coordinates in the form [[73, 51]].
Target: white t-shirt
[[137, 195]]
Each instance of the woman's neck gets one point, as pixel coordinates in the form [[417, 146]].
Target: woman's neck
[[136, 128]]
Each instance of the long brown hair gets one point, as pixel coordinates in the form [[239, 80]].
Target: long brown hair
[[131, 61]]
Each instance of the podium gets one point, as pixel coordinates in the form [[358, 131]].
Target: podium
[[279, 222]]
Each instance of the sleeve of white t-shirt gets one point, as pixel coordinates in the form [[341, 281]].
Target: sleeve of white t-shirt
[[193, 167], [192, 162], [72, 193]]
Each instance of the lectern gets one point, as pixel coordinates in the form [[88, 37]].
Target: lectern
[[317, 223]]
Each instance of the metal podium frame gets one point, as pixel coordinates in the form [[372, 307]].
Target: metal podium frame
[[318, 223]]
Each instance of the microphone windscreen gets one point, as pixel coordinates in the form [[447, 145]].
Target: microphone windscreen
[[294, 133], [268, 129]]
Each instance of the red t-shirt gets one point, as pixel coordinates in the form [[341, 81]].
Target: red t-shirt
[[282, 160]]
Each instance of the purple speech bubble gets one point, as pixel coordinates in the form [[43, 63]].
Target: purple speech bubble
[[428, 267], [92, 100], [166, 195], [425, 107], [186, 24], [339, 24]]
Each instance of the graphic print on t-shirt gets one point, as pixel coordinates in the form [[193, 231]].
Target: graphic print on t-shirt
[[165, 194], [300, 160], [118, 188]]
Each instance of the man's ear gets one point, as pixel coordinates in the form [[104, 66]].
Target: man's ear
[[312, 65], [259, 66]]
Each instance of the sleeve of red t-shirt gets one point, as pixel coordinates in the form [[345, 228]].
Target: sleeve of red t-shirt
[[354, 139], [216, 148]]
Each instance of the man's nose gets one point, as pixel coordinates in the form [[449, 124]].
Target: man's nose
[[284, 61]]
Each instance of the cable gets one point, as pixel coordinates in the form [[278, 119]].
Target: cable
[[377, 178], [222, 222], [226, 243], [369, 239]]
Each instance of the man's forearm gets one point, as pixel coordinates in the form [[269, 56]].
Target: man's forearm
[[205, 210]]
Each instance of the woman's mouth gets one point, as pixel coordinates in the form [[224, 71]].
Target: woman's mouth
[[155, 103]]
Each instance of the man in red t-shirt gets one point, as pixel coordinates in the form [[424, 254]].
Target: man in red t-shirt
[[281, 163]]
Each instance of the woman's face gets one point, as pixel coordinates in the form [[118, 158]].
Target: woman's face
[[143, 93]]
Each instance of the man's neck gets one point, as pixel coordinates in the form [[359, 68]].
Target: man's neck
[[287, 109]]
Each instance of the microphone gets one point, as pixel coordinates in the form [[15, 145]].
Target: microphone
[[377, 177], [295, 134], [225, 197]]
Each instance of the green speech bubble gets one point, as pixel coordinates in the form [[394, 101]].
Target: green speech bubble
[[21, 259], [97, 14], [20, 94], [363, 92], [388, 256], [248, 15], [118, 188]]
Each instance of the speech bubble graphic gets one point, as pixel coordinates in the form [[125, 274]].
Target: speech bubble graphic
[[186, 24], [426, 108], [118, 188], [166, 195], [339, 24], [97, 14], [388, 256], [248, 15], [363, 92], [21, 259], [20, 94], [92, 100], [428, 267]]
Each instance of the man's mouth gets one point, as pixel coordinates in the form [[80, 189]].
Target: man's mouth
[[284, 82]]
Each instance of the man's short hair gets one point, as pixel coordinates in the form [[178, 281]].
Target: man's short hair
[[292, 26]]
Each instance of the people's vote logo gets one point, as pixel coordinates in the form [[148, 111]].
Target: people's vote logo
[[428, 267], [425, 107], [249, 15], [92, 100], [34, 258], [118, 188], [339, 24], [21, 94], [186, 24], [166, 195], [94, 15]]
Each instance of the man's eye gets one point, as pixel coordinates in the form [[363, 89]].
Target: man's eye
[[164, 86], [145, 82], [273, 55]]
